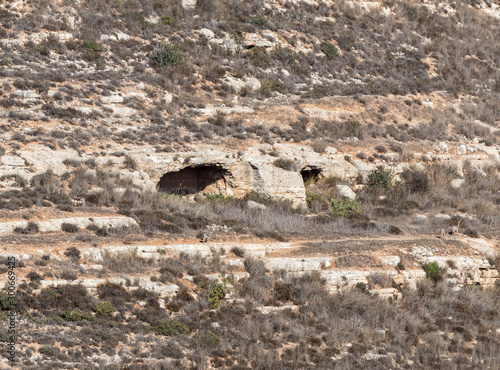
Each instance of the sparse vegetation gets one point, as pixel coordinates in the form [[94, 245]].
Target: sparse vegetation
[[286, 164], [345, 207], [329, 49], [381, 177], [433, 271], [129, 85]]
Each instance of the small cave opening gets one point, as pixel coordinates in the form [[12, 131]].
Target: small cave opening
[[310, 174], [192, 180]]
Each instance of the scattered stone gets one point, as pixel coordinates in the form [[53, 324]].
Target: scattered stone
[[462, 149], [443, 147]]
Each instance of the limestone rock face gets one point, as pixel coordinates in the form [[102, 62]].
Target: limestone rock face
[[278, 183]]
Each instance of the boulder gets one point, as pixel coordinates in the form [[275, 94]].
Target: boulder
[[346, 192], [206, 33], [252, 84]]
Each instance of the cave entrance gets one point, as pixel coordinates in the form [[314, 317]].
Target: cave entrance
[[192, 180], [310, 174]]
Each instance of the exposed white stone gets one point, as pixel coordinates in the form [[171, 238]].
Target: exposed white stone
[[330, 150], [168, 97], [443, 147], [257, 40], [206, 33], [117, 36], [455, 184], [189, 4], [297, 264], [27, 94], [10, 160], [112, 99], [252, 83], [391, 260], [346, 192]]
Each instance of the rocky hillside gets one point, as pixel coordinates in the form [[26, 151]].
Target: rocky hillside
[[339, 160]]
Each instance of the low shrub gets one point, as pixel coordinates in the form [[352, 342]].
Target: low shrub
[[170, 327], [240, 252], [432, 271], [286, 164], [76, 316], [73, 253], [207, 339], [168, 55], [329, 50], [69, 228], [416, 181], [68, 275], [381, 177], [342, 208], [34, 276], [31, 228], [103, 308], [216, 293]]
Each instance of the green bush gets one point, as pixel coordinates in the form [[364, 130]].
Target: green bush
[[168, 55], [258, 20], [76, 316], [4, 301], [219, 197], [381, 177], [345, 207], [432, 271], [168, 20], [92, 50], [268, 87], [92, 46], [329, 49], [216, 294], [170, 327], [104, 308]]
